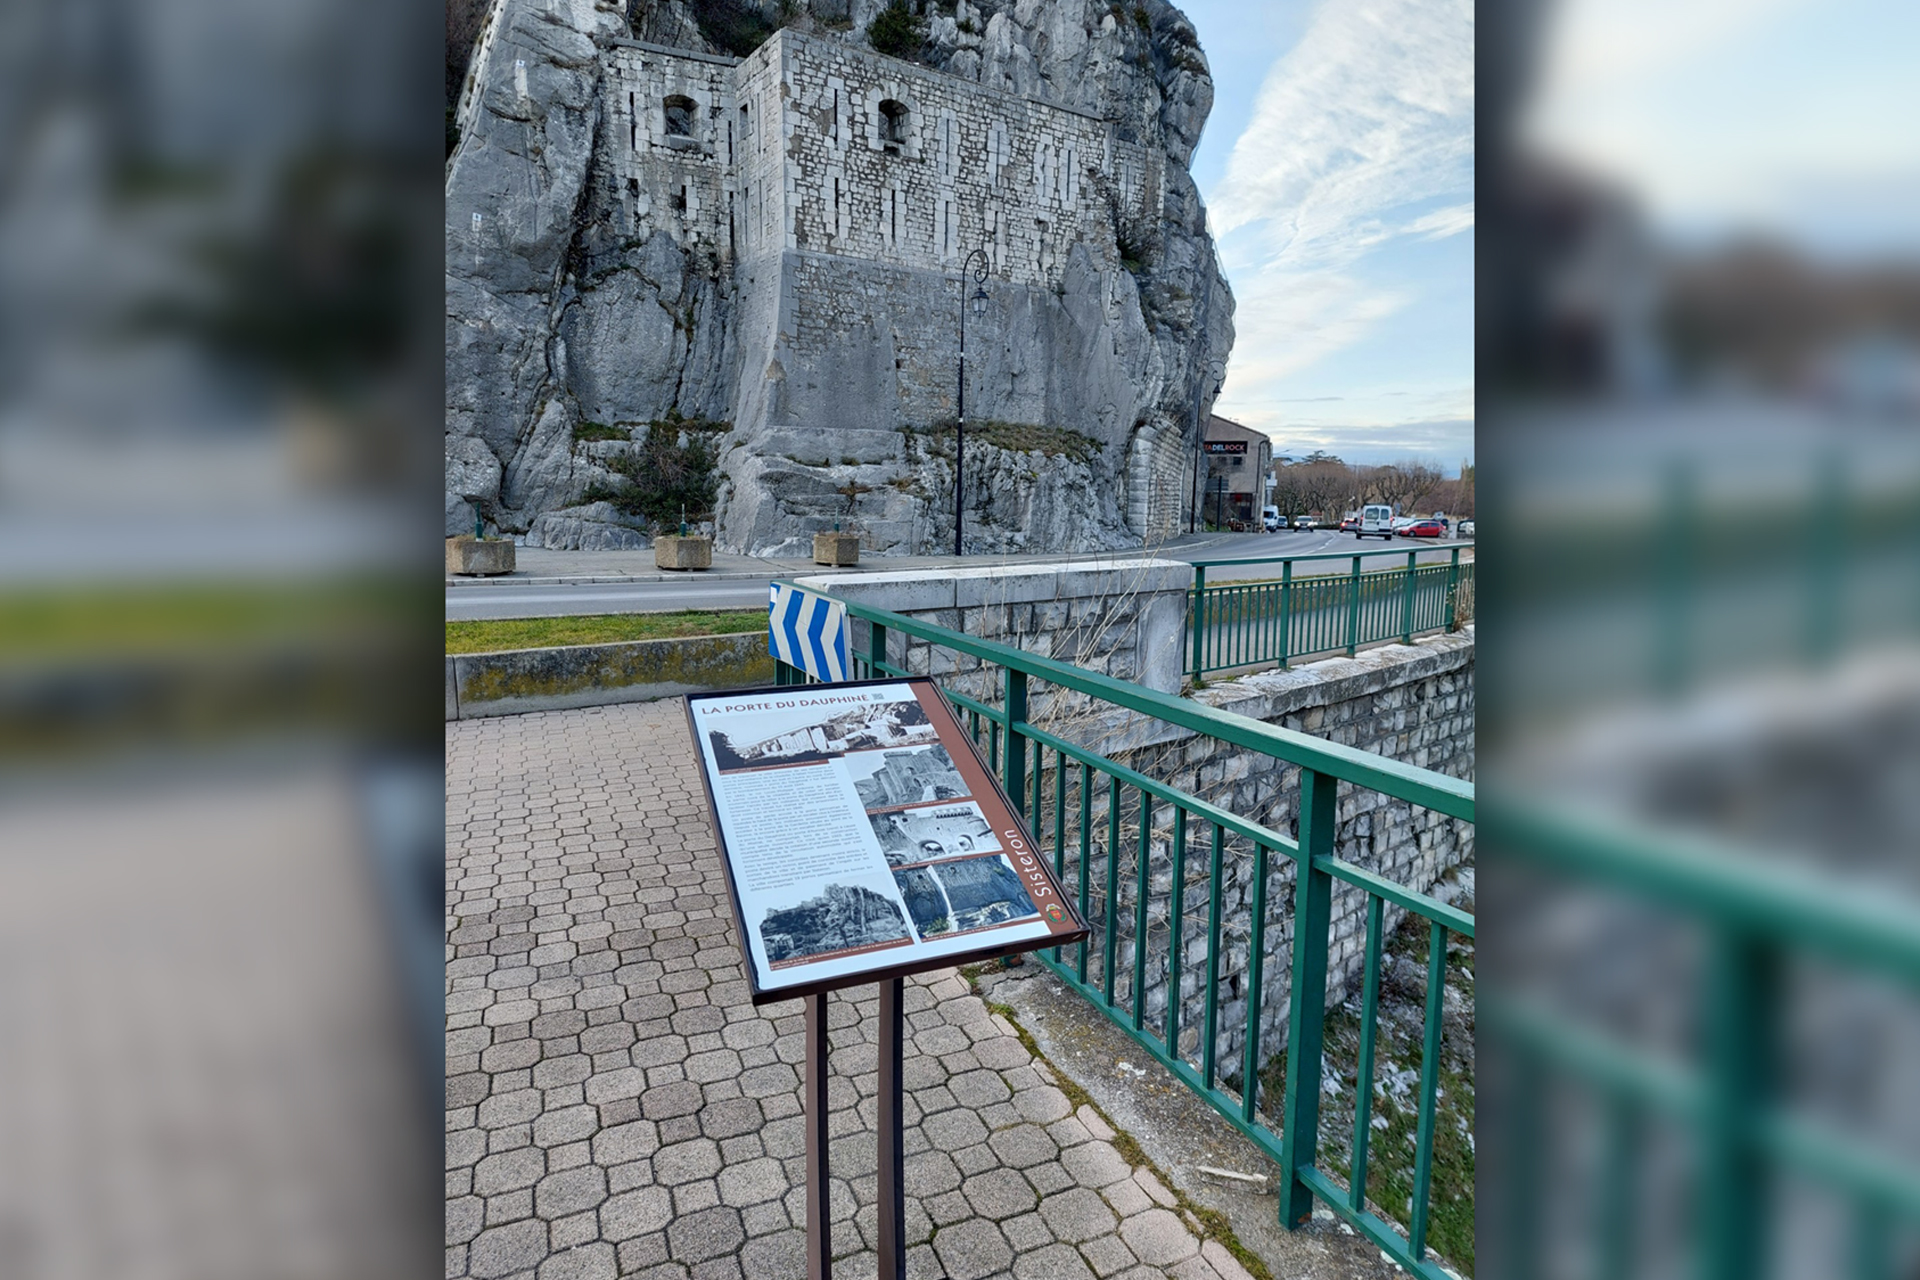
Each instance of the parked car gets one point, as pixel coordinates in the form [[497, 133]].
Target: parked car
[[1466, 528], [1424, 529]]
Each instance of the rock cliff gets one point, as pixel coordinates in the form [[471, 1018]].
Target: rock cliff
[[574, 305]]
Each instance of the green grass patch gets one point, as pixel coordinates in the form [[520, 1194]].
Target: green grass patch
[[586, 431], [493, 635], [1399, 1047], [128, 620], [1014, 437]]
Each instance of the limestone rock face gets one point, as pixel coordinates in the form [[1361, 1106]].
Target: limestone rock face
[[583, 286]]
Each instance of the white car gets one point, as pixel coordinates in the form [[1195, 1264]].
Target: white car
[[1464, 529], [1376, 521]]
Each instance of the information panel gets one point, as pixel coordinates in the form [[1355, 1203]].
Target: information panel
[[864, 838]]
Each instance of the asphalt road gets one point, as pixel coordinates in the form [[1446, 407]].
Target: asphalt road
[[510, 599]]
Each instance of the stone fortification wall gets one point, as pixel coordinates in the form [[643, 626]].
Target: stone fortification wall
[[637, 231], [680, 182], [896, 163]]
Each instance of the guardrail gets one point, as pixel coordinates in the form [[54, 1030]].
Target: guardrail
[[1065, 789], [1241, 624], [1761, 925]]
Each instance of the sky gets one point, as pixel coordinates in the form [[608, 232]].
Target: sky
[[1337, 170], [1794, 118]]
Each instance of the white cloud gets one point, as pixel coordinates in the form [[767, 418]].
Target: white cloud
[[1441, 223], [1371, 111], [1358, 131]]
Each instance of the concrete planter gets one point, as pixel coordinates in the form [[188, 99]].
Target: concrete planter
[[673, 551], [838, 549], [479, 557]]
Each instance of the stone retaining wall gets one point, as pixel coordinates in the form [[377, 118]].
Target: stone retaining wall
[[1122, 618], [591, 675], [1412, 703]]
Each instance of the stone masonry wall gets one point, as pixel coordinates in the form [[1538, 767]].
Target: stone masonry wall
[[1412, 703], [1122, 618]]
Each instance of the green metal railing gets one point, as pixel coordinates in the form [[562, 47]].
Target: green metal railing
[[1242, 624], [1757, 920], [1082, 807]]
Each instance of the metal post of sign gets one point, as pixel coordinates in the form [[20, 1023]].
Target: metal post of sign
[[893, 1154], [814, 1106]]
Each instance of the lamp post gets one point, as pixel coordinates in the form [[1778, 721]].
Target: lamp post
[[978, 304], [1219, 371]]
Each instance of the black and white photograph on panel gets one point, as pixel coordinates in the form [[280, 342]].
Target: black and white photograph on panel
[[839, 918], [804, 736], [957, 897], [909, 775], [927, 834]]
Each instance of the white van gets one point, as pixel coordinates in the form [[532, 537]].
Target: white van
[[1375, 520], [1270, 519]]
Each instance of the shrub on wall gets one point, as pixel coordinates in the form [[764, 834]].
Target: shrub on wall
[[897, 31], [662, 479]]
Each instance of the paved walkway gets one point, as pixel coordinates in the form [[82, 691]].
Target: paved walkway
[[615, 1106]]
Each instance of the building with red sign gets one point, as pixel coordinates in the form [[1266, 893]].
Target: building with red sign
[[1238, 462]]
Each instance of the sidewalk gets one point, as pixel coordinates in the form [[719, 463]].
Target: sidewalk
[[616, 1107]]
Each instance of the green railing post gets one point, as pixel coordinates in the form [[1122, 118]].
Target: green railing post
[[876, 649], [1406, 607], [1674, 563], [1826, 562], [1014, 771], [1286, 611], [1353, 609], [1199, 617], [1742, 1048], [1306, 1014], [1453, 592]]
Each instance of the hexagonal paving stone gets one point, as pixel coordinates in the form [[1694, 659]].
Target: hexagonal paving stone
[[582, 1262], [625, 1142], [635, 1213], [687, 1162], [752, 1182], [972, 1250], [954, 1130], [1158, 1237], [1077, 1215], [999, 1193], [1095, 1164], [509, 1171], [709, 1233], [570, 1191], [1055, 1262], [504, 1250], [1023, 1145]]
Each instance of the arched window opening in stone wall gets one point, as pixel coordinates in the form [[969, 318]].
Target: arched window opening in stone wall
[[679, 116], [894, 122]]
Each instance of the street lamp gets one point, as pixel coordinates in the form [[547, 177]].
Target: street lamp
[[1218, 369], [978, 305]]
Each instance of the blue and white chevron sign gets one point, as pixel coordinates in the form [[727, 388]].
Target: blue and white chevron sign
[[808, 631]]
